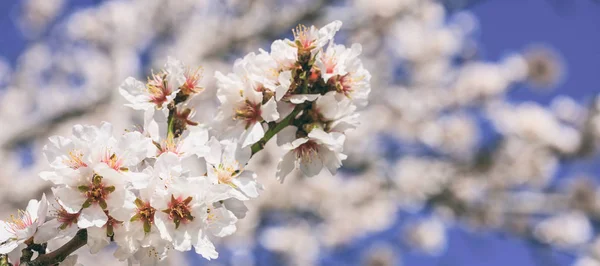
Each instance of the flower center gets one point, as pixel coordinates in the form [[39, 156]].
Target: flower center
[[307, 151], [96, 192], [191, 81], [145, 213], [65, 218], [330, 63], [113, 161], [75, 159], [302, 36], [158, 89], [168, 145], [248, 112], [20, 222], [210, 215], [110, 224], [179, 210], [346, 83]]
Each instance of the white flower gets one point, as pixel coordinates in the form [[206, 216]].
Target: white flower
[[90, 145], [310, 153], [64, 225], [331, 61], [336, 115], [140, 232], [160, 90], [225, 166], [219, 221], [100, 237], [24, 226], [301, 98], [179, 216], [313, 39], [242, 104], [191, 142], [341, 67], [284, 55], [97, 190], [67, 156]]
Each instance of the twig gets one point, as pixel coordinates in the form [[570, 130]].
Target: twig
[[61, 253]]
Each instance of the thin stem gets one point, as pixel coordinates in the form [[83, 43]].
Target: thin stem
[[171, 123], [258, 146], [61, 253]]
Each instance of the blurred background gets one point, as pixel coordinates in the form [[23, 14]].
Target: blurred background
[[479, 146]]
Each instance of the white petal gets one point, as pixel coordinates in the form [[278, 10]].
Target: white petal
[[286, 165], [8, 246], [70, 198], [331, 160], [47, 231], [327, 106], [109, 176], [311, 166], [284, 109], [97, 239], [5, 234], [326, 33], [286, 135], [176, 78], [246, 182], [92, 216], [214, 157], [253, 134], [237, 207], [205, 247], [42, 210], [285, 80], [133, 91], [32, 208], [252, 95], [300, 98], [269, 111]]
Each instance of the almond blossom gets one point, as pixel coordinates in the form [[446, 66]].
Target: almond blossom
[[244, 106], [311, 38], [311, 153], [23, 227], [225, 166], [161, 88]]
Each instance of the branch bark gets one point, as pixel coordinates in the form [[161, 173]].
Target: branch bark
[[61, 253]]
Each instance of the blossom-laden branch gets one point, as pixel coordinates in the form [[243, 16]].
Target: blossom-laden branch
[[134, 190]]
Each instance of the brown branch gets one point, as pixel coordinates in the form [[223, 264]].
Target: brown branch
[[61, 253]]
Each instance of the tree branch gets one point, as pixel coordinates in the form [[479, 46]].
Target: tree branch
[[258, 146], [61, 253]]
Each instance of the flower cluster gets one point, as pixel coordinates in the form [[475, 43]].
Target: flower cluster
[[176, 184], [305, 91]]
